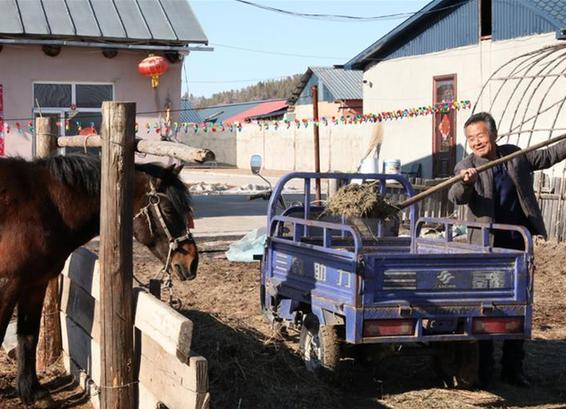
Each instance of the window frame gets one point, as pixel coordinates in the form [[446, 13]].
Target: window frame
[[63, 111]]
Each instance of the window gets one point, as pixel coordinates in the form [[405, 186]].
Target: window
[[92, 96], [485, 19], [78, 106], [52, 95]]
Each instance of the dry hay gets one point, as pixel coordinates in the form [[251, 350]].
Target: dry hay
[[362, 206], [358, 200]]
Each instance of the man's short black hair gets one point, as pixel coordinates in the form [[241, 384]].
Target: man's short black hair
[[485, 118]]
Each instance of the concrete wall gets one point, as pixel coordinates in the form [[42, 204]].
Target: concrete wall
[[223, 144], [21, 66], [341, 146], [408, 82], [329, 109]]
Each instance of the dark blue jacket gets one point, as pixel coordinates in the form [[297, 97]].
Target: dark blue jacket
[[479, 196]]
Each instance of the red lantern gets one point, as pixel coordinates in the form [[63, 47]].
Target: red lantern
[[153, 66]]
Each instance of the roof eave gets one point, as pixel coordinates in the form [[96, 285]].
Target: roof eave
[[300, 86], [180, 46], [360, 60]]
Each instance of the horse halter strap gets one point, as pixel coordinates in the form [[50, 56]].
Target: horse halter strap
[[154, 200]]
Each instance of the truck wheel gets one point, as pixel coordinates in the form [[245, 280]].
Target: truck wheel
[[319, 346], [456, 363]]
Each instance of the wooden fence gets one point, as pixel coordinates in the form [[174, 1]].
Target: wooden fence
[[550, 193], [164, 369], [118, 145], [436, 205]]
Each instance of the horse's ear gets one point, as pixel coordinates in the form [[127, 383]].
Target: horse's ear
[[175, 170]]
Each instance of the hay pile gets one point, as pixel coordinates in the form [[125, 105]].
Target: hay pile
[[365, 209], [359, 201]]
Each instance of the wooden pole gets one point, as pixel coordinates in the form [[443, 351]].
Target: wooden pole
[[49, 346], [116, 272], [314, 95], [159, 148]]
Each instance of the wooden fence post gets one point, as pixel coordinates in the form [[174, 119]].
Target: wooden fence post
[[49, 346], [117, 180]]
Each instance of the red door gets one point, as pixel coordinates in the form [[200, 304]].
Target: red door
[[444, 128]]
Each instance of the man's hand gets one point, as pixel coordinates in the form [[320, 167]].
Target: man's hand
[[470, 175]]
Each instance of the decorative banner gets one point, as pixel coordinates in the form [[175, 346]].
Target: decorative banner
[[169, 130], [1, 121]]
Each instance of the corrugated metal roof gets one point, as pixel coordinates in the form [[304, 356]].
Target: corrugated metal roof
[[444, 24], [342, 84], [188, 113], [403, 30], [526, 17], [334, 84], [258, 110], [123, 21]]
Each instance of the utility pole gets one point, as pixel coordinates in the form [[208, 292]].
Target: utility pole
[[314, 95]]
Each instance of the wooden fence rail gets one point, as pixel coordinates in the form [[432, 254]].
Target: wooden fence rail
[[158, 148]]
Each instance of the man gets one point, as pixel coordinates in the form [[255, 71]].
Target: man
[[503, 194]]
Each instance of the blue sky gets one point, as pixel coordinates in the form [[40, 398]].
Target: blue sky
[[231, 26]]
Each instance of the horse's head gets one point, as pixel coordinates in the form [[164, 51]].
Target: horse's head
[[163, 218]]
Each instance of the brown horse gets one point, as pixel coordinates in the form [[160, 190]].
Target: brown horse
[[48, 208]]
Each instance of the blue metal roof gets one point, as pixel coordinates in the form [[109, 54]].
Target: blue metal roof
[[188, 113], [520, 18], [445, 24], [334, 83], [120, 21]]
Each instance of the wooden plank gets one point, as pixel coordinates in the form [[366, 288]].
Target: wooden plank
[[116, 248], [84, 381], [162, 323], [83, 269], [82, 349], [81, 307], [177, 385], [146, 399]]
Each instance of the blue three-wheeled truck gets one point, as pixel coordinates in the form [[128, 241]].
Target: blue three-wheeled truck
[[344, 288]]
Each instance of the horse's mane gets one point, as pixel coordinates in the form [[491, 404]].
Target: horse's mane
[[83, 172]]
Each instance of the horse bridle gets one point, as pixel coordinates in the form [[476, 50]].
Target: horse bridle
[[154, 200]]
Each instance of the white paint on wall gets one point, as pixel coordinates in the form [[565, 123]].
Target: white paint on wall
[[408, 82]]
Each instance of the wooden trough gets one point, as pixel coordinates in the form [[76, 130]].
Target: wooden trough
[[165, 370]]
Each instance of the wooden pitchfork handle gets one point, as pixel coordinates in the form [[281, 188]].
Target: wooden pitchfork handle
[[456, 179]]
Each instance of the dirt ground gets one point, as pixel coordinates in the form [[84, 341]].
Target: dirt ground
[[250, 366]]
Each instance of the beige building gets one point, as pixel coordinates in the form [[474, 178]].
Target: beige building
[[64, 61], [487, 52]]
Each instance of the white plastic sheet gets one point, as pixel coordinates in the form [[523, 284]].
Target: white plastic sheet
[[248, 246]]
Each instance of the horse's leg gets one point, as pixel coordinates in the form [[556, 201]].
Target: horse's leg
[[8, 297], [30, 304]]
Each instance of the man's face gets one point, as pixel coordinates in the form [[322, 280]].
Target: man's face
[[480, 141]]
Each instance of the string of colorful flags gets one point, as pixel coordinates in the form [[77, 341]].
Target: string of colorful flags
[[164, 128]]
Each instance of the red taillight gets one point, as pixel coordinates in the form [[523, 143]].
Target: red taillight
[[497, 325], [387, 328]]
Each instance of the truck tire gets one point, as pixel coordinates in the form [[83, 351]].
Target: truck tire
[[456, 363], [319, 346]]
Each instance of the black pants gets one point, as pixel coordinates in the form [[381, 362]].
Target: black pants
[[511, 361]]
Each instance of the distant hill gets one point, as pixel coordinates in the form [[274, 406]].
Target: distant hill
[[272, 89]]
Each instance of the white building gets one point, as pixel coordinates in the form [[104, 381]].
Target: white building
[[447, 52]]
